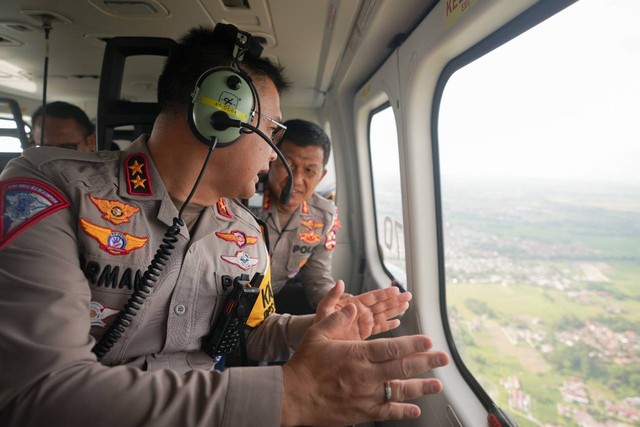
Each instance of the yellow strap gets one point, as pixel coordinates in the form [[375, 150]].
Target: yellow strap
[[265, 304]]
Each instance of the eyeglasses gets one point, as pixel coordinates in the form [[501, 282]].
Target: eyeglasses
[[278, 132]]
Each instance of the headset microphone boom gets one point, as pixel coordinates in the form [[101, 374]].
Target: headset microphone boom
[[221, 121]]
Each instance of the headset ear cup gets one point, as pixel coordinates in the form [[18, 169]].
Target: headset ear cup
[[225, 90]]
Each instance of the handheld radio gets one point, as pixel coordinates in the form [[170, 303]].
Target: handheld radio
[[228, 330]]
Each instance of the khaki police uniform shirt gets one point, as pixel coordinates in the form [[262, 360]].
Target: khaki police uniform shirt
[[303, 247], [77, 232]]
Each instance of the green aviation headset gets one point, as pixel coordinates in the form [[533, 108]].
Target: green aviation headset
[[224, 101], [224, 98]]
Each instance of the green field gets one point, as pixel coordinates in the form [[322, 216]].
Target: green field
[[544, 283], [493, 358]]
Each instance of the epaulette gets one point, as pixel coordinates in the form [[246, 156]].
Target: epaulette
[[39, 156], [320, 202]]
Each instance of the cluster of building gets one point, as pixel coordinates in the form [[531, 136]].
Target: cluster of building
[[575, 406], [621, 348], [473, 257], [516, 397]]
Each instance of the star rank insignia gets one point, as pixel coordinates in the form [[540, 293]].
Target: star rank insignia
[[222, 208], [114, 211], [138, 182], [113, 241], [305, 208]]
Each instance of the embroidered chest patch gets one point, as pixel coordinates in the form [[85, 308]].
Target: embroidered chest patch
[[24, 202], [114, 211], [309, 237], [238, 237], [311, 224], [113, 241], [99, 313], [240, 259]]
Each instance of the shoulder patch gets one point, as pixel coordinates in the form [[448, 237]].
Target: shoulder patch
[[332, 234], [24, 202], [138, 182]]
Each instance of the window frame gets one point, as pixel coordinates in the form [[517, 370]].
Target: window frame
[[520, 24], [372, 112]]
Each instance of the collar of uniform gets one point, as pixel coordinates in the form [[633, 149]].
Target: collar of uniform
[[229, 210], [270, 214], [132, 172], [225, 216]]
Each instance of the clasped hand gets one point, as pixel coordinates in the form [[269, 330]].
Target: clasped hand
[[375, 310], [337, 378]]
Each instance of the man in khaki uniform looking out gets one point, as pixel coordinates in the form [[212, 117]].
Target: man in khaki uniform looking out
[[303, 231]]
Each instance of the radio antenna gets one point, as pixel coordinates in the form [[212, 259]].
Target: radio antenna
[[46, 26]]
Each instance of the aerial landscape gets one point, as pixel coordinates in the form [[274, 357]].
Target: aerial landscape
[[543, 296]]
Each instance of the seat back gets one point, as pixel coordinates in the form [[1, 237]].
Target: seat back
[[114, 112], [12, 106]]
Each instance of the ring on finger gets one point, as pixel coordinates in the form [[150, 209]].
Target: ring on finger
[[387, 391]]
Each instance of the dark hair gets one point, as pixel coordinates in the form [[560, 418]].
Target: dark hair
[[64, 110], [304, 133], [199, 50]]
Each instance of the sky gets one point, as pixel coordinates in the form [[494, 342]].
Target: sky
[[560, 101]]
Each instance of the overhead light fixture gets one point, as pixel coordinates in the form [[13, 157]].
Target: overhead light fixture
[[14, 77], [236, 4], [131, 8], [8, 41], [140, 8], [41, 16], [20, 27]]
